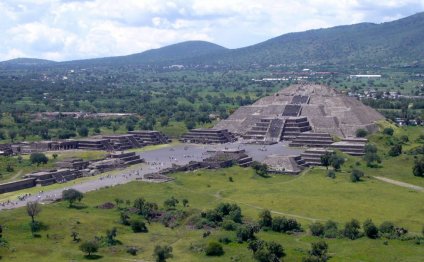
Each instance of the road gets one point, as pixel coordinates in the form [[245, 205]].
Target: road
[[399, 183], [156, 160]]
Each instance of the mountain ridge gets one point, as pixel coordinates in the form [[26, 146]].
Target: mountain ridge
[[395, 42]]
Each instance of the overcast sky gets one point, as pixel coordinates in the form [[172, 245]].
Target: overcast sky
[[76, 29]]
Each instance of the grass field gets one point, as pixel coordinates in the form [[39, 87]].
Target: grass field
[[307, 197]]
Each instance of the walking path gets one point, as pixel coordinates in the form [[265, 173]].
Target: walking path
[[399, 183]]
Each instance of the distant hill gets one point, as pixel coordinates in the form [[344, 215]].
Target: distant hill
[[165, 55], [398, 42], [25, 62]]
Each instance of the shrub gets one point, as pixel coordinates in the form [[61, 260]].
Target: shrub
[[355, 175], [282, 224], [330, 229], [224, 240], [132, 251], [265, 219], [387, 227], [138, 226], [38, 158], [260, 169], [318, 252], [214, 249], [418, 168], [229, 225], [72, 195], [361, 133], [317, 229], [162, 253], [395, 150], [370, 229], [351, 229], [247, 232], [388, 131], [331, 174]]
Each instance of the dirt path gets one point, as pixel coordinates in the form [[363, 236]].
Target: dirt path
[[399, 183]]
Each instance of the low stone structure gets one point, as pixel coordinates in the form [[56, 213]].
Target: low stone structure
[[208, 136], [150, 137], [49, 177], [291, 165], [312, 139], [6, 150], [312, 156], [17, 185], [73, 163], [352, 146]]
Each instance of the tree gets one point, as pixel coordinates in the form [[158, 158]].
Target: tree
[[214, 249], [361, 133], [336, 161], [326, 159], [33, 209], [265, 219], [355, 175], [190, 124], [12, 134], [331, 174], [38, 158], [75, 236], [89, 247], [83, 131], [171, 203], [388, 131], [370, 229], [185, 202], [266, 251], [351, 229], [72, 195], [418, 168], [110, 236], [331, 229], [317, 229], [138, 226], [318, 252], [162, 253], [371, 156], [395, 150], [246, 232]]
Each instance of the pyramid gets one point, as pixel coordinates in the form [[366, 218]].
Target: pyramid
[[326, 110]]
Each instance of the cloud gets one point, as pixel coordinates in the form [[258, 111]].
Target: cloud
[[77, 29]]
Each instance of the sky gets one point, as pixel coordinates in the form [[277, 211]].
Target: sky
[[64, 30]]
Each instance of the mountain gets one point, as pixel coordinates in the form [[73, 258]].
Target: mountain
[[165, 55], [17, 62], [398, 42]]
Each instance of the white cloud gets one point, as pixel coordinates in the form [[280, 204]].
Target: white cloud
[[76, 29]]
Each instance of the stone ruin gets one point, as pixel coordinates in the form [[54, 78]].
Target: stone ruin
[[301, 108]]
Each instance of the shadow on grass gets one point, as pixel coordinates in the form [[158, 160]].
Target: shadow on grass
[[78, 206], [92, 257]]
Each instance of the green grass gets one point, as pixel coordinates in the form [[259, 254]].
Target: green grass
[[309, 196]]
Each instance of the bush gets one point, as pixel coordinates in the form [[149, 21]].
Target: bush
[[331, 174], [370, 229], [162, 253], [387, 227], [224, 240], [214, 249], [356, 175], [38, 158], [317, 229], [246, 232], [330, 229], [229, 225], [361, 133], [132, 251], [260, 169], [395, 150], [138, 226], [282, 224], [265, 219], [71, 195], [351, 229], [418, 168], [318, 252], [388, 131]]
